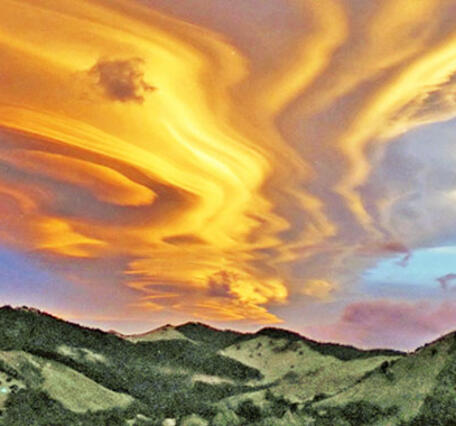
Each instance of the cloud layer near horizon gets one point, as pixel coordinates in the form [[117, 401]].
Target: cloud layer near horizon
[[390, 324], [226, 164]]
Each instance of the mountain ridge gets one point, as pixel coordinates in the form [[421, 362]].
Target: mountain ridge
[[56, 371], [264, 330]]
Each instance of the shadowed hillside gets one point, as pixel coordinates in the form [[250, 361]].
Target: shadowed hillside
[[55, 372]]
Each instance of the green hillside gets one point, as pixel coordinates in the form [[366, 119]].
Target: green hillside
[[56, 373]]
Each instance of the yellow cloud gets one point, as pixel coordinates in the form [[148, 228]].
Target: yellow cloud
[[319, 289]]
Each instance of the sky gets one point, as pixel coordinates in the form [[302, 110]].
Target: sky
[[243, 163]]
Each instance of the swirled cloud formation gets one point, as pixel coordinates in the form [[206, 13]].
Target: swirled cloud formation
[[244, 164]]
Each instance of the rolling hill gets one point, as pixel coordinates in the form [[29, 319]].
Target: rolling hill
[[54, 372]]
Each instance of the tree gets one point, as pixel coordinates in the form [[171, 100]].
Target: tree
[[249, 411]]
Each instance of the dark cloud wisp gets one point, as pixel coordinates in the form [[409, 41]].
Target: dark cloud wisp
[[121, 79]]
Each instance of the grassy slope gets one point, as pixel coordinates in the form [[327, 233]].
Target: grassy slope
[[355, 387], [168, 332], [7, 384], [157, 376], [84, 376], [74, 390], [405, 383], [300, 372], [404, 387]]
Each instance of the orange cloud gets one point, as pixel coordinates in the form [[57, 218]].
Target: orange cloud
[[228, 179], [107, 184]]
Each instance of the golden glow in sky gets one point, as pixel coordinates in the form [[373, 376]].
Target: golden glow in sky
[[222, 162]]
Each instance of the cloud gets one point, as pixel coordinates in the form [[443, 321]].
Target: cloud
[[320, 289], [388, 324], [121, 80], [254, 162], [222, 296], [220, 284], [436, 104], [446, 280], [404, 261], [398, 248]]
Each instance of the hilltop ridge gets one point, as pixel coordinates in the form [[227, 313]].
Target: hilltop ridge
[[196, 374], [201, 332]]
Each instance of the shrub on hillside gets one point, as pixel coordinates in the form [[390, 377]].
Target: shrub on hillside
[[439, 408], [249, 411], [292, 377], [226, 417], [355, 413]]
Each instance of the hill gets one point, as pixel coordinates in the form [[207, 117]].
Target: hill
[[56, 372]]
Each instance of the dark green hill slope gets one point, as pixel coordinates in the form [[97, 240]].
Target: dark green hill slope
[[202, 333], [157, 376], [55, 372], [418, 389], [342, 352], [221, 339]]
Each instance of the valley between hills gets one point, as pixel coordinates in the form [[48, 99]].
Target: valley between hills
[[54, 372]]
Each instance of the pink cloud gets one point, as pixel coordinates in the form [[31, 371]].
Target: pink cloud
[[388, 324]]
